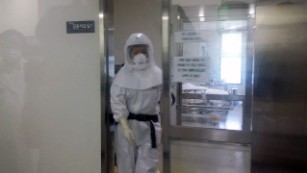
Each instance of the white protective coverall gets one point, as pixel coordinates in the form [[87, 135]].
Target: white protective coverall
[[137, 91]]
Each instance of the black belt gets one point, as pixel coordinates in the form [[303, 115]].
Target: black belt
[[150, 119]]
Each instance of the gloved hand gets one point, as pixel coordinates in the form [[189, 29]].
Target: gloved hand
[[127, 131]]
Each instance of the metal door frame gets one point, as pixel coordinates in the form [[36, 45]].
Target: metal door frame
[[188, 133], [107, 149], [165, 99], [106, 163]]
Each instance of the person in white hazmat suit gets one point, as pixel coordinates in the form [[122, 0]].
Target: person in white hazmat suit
[[135, 96]]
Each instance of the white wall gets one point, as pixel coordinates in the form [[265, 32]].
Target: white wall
[[19, 14], [137, 16], [49, 88]]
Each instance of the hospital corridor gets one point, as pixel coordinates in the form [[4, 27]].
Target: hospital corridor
[[153, 86]]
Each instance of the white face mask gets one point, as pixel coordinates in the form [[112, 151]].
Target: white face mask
[[140, 61]]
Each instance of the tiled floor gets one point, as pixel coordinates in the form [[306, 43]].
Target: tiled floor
[[192, 157]]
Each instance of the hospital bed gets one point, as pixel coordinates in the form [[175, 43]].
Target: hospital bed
[[205, 105]]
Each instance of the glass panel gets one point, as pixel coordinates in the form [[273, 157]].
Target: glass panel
[[211, 45]]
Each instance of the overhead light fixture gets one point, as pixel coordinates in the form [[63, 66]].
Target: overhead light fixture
[[164, 17], [201, 14], [251, 10], [202, 18]]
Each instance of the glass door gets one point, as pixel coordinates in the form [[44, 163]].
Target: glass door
[[207, 64]]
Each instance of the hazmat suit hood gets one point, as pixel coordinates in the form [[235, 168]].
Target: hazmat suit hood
[[129, 75]]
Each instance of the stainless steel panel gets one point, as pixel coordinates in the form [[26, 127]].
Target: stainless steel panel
[[280, 83]]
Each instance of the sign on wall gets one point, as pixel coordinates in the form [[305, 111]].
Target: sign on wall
[[190, 36], [80, 26], [189, 69]]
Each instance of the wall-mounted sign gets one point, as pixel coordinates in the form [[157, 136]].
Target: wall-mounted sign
[[80, 26], [190, 36], [189, 69]]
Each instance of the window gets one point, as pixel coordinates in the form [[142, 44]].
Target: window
[[231, 58]]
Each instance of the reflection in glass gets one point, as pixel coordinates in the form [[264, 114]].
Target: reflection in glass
[[12, 91]]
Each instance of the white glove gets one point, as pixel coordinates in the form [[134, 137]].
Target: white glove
[[127, 131]]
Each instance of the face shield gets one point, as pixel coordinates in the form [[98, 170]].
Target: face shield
[[135, 50], [138, 56]]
